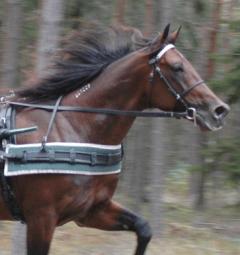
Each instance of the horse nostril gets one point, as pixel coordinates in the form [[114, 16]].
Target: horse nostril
[[221, 111]]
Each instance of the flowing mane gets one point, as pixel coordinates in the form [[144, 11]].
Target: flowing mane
[[85, 55]]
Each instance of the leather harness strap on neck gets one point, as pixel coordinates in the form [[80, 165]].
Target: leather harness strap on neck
[[50, 125]]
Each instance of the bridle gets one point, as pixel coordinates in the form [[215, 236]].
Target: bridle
[[189, 113], [180, 97]]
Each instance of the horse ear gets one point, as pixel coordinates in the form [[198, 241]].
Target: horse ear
[[173, 36], [165, 33], [160, 39]]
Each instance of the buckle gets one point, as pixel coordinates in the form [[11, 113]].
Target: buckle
[[73, 156], [93, 159], [2, 100], [192, 115], [3, 121]]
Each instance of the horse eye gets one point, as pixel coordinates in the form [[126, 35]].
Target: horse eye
[[177, 67]]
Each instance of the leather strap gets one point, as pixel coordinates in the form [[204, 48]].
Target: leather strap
[[64, 157], [7, 116], [106, 111], [50, 125]]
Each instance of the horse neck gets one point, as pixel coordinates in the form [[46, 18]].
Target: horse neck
[[120, 86]]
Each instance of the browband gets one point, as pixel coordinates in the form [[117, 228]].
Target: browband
[[164, 50]]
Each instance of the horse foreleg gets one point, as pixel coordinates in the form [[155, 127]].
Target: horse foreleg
[[40, 231], [114, 217]]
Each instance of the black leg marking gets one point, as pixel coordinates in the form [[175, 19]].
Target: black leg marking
[[115, 218], [141, 227]]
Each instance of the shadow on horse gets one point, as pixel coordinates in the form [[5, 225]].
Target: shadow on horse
[[118, 74]]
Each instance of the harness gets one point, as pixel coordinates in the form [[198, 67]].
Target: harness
[[93, 157], [8, 133], [7, 120]]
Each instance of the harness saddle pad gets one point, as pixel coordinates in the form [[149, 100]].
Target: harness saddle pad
[[62, 158]]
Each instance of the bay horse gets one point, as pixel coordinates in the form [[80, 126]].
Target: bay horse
[[108, 69]]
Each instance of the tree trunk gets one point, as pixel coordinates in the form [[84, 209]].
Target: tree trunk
[[119, 14], [12, 27], [198, 139], [216, 15], [165, 12], [159, 164], [12, 35], [161, 145], [198, 179], [51, 16], [50, 30], [149, 18]]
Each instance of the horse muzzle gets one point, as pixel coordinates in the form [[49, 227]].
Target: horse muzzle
[[209, 118]]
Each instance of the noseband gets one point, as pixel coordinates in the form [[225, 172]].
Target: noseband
[[180, 97]]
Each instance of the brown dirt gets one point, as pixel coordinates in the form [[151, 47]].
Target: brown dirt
[[180, 239]]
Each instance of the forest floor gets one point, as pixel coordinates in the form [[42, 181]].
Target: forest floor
[[206, 234]]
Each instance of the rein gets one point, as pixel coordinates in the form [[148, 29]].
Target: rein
[[106, 111], [189, 113]]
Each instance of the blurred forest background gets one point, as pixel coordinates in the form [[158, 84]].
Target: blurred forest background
[[186, 183]]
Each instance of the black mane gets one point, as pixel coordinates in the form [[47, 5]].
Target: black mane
[[84, 56]]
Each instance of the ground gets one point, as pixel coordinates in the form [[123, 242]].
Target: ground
[[178, 238], [213, 231]]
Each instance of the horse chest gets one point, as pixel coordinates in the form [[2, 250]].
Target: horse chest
[[99, 188], [87, 193], [94, 190]]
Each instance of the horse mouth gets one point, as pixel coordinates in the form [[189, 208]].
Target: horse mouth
[[207, 122], [207, 125], [208, 117]]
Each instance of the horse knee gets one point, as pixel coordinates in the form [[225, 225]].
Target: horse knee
[[143, 230]]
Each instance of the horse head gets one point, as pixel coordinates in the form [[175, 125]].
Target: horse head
[[176, 85]]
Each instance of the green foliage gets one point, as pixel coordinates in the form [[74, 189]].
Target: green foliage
[[89, 11], [135, 13], [223, 156], [229, 85], [234, 25], [200, 6], [1, 12], [30, 5]]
